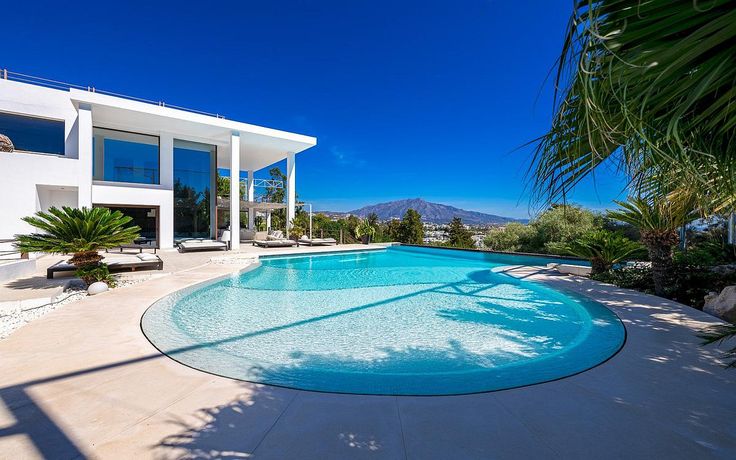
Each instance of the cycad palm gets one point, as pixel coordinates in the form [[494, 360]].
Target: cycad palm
[[81, 232], [603, 249], [658, 222]]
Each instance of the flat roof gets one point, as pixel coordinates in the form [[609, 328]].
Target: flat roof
[[259, 146]]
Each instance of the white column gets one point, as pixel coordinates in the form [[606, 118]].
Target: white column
[[268, 220], [235, 190], [166, 179], [84, 125], [166, 156], [290, 189], [251, 198]]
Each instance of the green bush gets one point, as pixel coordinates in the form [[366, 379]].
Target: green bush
[[638, 278], [511, 238], [94, 273], [560, 224]]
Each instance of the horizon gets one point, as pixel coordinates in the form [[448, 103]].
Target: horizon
[[411, 99]]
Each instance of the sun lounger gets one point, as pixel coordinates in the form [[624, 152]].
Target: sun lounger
[[202, 245], [316, 241], [114, 264], [282, 243]]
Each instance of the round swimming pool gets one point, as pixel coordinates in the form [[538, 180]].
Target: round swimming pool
[[399, 321]]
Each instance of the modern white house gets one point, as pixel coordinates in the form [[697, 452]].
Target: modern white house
[[77, 147]]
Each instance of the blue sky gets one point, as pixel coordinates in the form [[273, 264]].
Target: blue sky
[[407, 99]]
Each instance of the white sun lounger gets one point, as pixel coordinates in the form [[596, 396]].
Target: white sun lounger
[[202, 245], [317, 241], [275, 243]]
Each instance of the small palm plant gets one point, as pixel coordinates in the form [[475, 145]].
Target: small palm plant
[[603, 248], [658, 222], [81, 232], [719, 334], [365, 231]]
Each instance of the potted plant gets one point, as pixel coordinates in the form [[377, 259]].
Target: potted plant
[[365, 231]]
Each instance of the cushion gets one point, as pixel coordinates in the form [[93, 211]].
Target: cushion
[[147, 256]]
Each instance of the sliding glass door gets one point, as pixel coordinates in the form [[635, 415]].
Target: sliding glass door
[[194, 183]]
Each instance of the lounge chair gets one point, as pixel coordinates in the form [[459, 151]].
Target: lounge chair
[[202, 245], [114, 264], [316, 241], [274, 239], [275, 243]]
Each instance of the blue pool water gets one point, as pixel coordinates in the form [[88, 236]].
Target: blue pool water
[[400, 321]]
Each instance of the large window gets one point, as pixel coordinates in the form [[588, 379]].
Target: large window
[[194, 178], [120, 156], [33, 134], [144, 217]]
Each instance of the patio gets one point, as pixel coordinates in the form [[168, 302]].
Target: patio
[[84, 382]]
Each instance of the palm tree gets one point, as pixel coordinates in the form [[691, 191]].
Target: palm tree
[[81, 232], [646, 87], [658, 222], [603, 248]]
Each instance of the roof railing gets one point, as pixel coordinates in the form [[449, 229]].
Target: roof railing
[[54, 84]]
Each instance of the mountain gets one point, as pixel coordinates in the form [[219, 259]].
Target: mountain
[[431, 212]]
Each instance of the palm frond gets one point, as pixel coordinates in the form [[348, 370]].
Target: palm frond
[[642, 85], [72, 230]]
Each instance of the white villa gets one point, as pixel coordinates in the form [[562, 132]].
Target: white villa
[[77, 147]]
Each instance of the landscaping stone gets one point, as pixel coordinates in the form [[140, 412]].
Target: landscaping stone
[[75, 285], [97, 288], [722, 305]]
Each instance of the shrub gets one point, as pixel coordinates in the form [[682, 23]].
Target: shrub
[[638, 278], [94, 273], [511, 238]]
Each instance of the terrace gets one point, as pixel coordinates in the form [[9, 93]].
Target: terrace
[[84, 382]]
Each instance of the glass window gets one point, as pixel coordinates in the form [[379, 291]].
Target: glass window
[[194, 178], [33, 134], [119, 156]]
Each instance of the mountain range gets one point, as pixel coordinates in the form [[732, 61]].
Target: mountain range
[[435, 213]]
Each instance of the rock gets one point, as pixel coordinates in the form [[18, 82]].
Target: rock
[[724, 270], [75, 285], [97, 288], [722, 305]]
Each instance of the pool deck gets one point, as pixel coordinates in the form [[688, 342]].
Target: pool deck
[[83, 381]]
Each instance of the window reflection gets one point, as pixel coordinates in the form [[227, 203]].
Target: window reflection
[[31, 134], [120, 156], [193, 183]]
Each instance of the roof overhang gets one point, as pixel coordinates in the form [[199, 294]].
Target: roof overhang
[[259, 146]]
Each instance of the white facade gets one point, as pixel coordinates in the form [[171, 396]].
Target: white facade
[[33, 181]]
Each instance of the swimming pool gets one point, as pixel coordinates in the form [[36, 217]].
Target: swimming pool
[[399, 321]]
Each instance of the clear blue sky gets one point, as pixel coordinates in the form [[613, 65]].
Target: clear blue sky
[[407, 99]]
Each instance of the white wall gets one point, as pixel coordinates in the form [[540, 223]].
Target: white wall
[[20, 172], [37, 101], [19, 175]]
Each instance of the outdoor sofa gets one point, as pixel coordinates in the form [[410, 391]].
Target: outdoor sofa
[[132, 262]]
